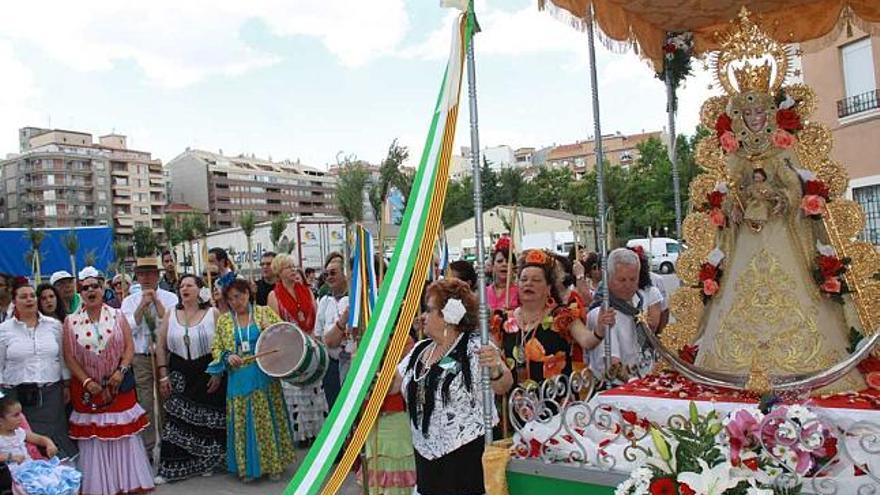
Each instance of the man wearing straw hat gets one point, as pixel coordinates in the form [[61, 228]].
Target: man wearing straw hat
[[144, 311]]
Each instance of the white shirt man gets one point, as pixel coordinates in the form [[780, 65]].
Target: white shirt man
[[626, 346], [143, 309]]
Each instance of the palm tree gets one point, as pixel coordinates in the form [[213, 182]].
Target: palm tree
[[200, 232], [172, 234], [248, 223], [187, 232], [279, 224], [71, 242], [120, 251], [36, 239], [91, 258], [145, 243], [350, 187]]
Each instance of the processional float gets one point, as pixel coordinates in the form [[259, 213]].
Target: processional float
[[650, 27]]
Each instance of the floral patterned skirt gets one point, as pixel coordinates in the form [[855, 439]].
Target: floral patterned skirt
[[258, 433]]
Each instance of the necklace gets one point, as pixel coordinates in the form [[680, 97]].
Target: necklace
[[186, 324], [244, 343], [426, 367]]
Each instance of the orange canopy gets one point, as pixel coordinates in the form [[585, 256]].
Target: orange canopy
[[644, 23]]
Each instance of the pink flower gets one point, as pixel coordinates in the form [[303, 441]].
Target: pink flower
[[729, 143], [742, 431], [716, 216], [813, 204], [831, 285], [783, 139], [710, 287]]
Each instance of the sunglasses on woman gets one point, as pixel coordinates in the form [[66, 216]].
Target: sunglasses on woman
[[88, 287]]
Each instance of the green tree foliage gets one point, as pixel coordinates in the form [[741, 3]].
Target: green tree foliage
[[350, 186], [641, 195], [279, 224], [390, 175], [145, 243]]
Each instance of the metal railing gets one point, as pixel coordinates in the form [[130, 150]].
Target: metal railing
[[863, 102]]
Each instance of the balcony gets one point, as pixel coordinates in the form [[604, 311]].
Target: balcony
[[852, 105]]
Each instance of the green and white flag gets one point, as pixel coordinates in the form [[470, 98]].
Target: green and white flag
[[312, 473]]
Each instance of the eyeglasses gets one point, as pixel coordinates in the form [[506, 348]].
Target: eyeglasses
[[86, 288]]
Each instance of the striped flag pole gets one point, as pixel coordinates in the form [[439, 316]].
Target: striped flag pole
[[399, 296]]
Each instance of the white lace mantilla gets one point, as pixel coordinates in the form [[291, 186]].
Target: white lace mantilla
[[458, 422]]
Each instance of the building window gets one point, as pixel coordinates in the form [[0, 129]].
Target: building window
[[50, 179], [858, 78], [49, 210], [49, 195], [102, 210], [102, 196], [101, 181], [869, 199], [99, 166]]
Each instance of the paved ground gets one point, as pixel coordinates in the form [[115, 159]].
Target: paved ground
[[221, 484]]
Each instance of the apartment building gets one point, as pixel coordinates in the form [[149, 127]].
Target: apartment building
[[227, 186], [846, 79], [619, 149], [63, 178]]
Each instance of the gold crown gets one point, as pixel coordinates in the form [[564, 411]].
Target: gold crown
[[740, 47], [753, 77]]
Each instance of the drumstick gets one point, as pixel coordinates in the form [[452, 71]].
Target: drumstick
[[248, 359]]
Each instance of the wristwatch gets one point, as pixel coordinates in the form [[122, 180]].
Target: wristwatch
[[122, 369]]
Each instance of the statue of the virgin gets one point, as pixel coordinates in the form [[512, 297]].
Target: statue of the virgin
[[778, 285]]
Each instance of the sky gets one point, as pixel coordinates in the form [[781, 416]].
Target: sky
[[307, 79]]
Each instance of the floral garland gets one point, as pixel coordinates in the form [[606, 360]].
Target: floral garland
[[714, 203], [678, 50], [741, 454], [788, 124], [829, 272]]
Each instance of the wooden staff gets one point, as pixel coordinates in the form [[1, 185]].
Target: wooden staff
[[510, 261]]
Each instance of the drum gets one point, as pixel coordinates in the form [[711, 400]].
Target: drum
[[284, 351]]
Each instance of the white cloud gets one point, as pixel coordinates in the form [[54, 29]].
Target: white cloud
[[177, 43], [17, 89]]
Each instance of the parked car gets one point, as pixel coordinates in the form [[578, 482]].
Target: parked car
[[661, 251]]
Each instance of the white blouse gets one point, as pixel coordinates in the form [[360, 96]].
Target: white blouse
[[201, 336], [14, 444], [31, 355], [458, 422]]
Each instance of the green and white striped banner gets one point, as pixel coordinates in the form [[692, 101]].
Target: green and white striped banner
[[312, 473]]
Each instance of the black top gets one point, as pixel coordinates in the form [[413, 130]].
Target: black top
[[263, 290], [549, 338]]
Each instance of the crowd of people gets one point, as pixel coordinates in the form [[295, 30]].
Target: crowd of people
[[107, 369]]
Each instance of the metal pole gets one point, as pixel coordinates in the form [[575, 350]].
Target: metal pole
[[600, 180], [676, 185], [488, 396]]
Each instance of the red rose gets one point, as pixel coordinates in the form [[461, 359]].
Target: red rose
[[717, 217], [830, 266], [685, 489], [715, 199], [817, 188], [723, 124], [630, 417], [751, 463], [729, 143], [788, 119], [688, 353], [669, 48], [832, 285], [782, 139], [813, 204], [869, 364], [708, 272], [829, 447], [710, 287], [663, 486]]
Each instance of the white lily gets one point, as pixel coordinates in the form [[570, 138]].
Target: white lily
[[715, 257], [825, 249], [787, 103], [711, 480], [806, 175]]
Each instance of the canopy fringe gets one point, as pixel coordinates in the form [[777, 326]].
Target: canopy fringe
[[845, 24], [580, 24]]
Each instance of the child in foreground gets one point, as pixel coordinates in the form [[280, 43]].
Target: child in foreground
[[32, 477]]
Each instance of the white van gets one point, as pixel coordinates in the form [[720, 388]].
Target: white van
[[662, 251]]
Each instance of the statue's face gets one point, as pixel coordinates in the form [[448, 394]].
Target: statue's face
[[755, 118]]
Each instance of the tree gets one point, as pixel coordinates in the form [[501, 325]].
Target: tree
[[36, 238], [547, 188], [248, 223], [350, 187], [200, 232], [489, 181], [71, 243], [145, 243], [459, 204], [186, 230], [390, 175], [91, 257], [510, 186], [279, 224], [172, 232]]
